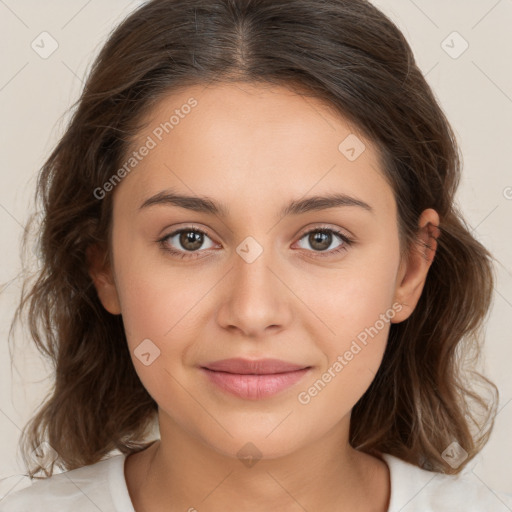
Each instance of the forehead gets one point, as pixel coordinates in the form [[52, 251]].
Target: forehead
[[248, 142]]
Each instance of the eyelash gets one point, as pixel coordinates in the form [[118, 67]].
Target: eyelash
[[347, 242]]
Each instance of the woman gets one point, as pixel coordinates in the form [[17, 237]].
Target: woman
[[250, 237]]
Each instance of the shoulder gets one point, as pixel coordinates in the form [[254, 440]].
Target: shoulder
[[414, 489], [86, 489]]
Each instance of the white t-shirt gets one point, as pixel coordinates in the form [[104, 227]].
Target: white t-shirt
[[102, 487]]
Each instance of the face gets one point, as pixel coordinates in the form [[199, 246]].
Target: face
[[317, 287]]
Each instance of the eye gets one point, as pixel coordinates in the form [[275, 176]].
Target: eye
[[321, 239], [188, 240]]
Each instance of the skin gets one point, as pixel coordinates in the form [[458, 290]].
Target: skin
[[255, 148]]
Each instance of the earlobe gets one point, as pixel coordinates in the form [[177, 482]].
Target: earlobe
[[103, 280], [413, 272]]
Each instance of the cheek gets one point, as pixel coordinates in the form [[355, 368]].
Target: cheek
[[355, 306], [156, 293], [359, 314], [157, 305], [349, 299], [158, 316]]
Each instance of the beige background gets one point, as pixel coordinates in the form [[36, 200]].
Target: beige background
[[475, 90]]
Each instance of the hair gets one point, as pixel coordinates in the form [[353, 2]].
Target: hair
[[352, 57]]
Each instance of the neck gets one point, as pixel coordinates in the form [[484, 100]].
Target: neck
[[179, 472]]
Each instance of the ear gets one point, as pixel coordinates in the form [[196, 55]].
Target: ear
[[101, 274], [412, 272]]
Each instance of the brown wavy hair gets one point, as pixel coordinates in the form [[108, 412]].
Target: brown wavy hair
[[352, 57]]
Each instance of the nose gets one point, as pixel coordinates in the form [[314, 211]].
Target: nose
[[254, 297]]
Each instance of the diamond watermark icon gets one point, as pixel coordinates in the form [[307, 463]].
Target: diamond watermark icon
[[455, 45], [454, 455], [44, 453], [44, 45], [351, 147], [249, 249], [146, 352], [249, 455]]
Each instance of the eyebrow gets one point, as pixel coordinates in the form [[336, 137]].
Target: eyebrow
[[207, 205]]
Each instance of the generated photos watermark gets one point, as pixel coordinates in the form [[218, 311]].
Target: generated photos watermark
[[305, 397], [151, 142]]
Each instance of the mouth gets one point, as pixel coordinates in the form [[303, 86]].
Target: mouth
[[254, 379]]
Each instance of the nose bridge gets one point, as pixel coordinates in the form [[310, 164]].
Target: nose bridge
[[255, 297], [254, 278]]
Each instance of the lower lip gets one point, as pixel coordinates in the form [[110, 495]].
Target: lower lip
[[254, 387]]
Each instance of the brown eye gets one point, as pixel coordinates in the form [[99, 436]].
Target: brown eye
[[183, 241], [191, 240], [321, 239]]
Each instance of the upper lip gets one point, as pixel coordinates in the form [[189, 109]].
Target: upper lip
[[253, 366]]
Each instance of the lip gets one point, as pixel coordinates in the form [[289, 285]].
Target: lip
[[253, 366], [254, 379]]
